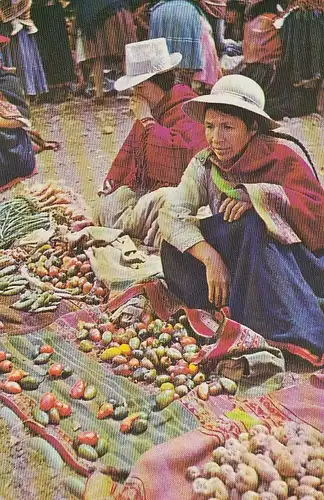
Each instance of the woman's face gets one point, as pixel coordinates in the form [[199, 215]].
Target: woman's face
[[226, 134]]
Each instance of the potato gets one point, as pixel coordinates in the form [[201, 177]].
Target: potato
[[258, 429], [266, 472], [219, 455], [193, 472], [305, 490], [199, 485], [227, 475], [268, 496], [246, 478], [312, 481], [292, 485], [315, 467], [251, 495], [216, 487], [211, 469], [279, 488], [286, 465], [316, 453], [259, 443]]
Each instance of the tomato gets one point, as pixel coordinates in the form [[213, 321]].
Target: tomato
[[86, 288], [16, 375], [6, 366], [107, 327], [46, 348], [88, 437], [94, 335], [100, 292], [82, 280], [105, 410], [85, 268], [11, 387], [64, 409], [77, 390], [167, 329], [55, 370], [188, 341], [47, 401], [146, 318], [141, 326], [3, 355], [53, 271]]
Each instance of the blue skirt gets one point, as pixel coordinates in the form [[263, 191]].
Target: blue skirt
[[276, 289], [17, 158], [180, 23], [24, 55]]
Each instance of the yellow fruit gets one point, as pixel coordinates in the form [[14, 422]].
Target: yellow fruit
[[193, 368], [125, 349], [167, 386], [110, 353]]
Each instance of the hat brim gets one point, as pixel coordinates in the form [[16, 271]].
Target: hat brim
[[126, 82], [195, 108]]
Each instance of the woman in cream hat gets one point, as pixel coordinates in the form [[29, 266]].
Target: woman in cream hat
[[262, 250]]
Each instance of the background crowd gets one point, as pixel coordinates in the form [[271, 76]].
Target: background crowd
[[61, 48]]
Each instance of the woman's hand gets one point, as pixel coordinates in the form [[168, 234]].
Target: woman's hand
[[234, 209], [218, 280], [218, 277]]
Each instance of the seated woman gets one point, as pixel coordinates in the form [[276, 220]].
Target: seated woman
[[17, 158], [262, 251]]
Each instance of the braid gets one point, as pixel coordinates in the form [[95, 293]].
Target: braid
[[288, 137]]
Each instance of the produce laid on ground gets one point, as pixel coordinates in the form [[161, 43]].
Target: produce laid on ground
[[19, 217], [285, 462], [153, 352]]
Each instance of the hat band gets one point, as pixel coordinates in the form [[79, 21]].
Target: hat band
[[143, 67], [240, 96]]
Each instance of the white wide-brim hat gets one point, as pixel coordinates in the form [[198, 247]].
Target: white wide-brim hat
[[232, 90], [146, 59]]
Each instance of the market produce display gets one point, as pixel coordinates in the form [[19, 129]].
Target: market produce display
[[19, 217], [262, 464]]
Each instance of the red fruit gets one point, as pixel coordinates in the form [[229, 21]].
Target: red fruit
[[94, 335], [6, 366], [100, 292], [55, 370], [64, 409], [88, 437], [188, 341], [47, 401], [77, 390], [146, 318], [105, 410], [86, 288], [167, 329], [53, 271], [11, 387], [16, 375], [107, 327], [46, 348], [85, 268], [141, 326], [3, 355]]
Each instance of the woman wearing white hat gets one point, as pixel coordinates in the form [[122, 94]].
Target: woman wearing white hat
[[262, 251]]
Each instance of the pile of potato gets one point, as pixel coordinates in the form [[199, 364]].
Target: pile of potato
[[285, 463]]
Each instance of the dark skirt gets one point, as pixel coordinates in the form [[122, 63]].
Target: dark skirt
[[17, 159], [53, 43], [275, 289]]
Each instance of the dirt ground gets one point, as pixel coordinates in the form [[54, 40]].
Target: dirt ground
[[90, 136]]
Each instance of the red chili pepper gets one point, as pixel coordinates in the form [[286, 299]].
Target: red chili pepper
[[55, 370], [105, 410], [11, 387], [77, 390], [64, 409], [6, 366], [88, 437], [47, 401], [46, 348]]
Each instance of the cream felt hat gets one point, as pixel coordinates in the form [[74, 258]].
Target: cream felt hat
[[146, 59], [233, 90]]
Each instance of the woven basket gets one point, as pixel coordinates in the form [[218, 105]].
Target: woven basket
[[10, 9]]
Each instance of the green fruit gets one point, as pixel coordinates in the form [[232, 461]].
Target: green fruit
[[106, 338], [43, 358], [163, 399], [164, 339], [90, 392], [152, 356], [67, 372], [134, 343], [72, 271], [162, 379], [228, 385], [54, 416], [179, 380], [82, 334], [88, 452], [40, 416], [85, 346], [36, 350], [191, 348], [120, 413], [139, 426], [182, 390], [160, 351], [29, 383], [102, 447]]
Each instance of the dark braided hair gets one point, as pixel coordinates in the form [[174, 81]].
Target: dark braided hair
[[288, 137], [249, 119]]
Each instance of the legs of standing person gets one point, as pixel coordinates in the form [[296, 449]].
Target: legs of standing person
[[98, 69], [273, 289]]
